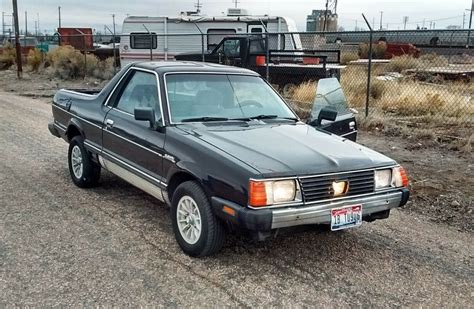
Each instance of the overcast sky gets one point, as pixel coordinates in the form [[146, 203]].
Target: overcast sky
[[96, 13]]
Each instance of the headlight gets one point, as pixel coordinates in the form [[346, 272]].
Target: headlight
[[383, 178], [399, 177], [264, 193]]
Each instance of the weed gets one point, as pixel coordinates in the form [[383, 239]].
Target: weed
[[34, 59]]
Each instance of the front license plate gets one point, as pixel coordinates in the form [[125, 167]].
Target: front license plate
[[346, 217]]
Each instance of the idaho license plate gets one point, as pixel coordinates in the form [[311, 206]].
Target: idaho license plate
[[346, 217]]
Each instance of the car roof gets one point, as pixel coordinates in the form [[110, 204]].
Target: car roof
[[191, 66]]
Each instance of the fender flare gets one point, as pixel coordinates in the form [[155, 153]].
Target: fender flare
[[76, 124]]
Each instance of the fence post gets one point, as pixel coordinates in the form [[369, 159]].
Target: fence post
[[202, 48], [267, 58], [369, 69], [85, 56]]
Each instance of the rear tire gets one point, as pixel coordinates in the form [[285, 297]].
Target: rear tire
[[85, 173], [197, 230]]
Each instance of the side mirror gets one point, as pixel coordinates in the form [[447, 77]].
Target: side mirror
[[145, 114], [326, 113]]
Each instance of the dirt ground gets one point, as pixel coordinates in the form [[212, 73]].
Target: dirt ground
[[114, 245]]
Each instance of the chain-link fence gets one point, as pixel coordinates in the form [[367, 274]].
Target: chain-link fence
[[420, 80]]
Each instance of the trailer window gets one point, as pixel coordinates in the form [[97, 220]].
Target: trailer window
[[215, 36], [143, 40]]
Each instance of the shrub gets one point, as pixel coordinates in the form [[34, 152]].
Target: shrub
[[66, 62], [305, 92], [69, 63], [348, 57], [34, 59], [378, 50], [104, 69], [8, 56]]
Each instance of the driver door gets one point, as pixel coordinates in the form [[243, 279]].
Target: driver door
[[329, 94], [230, 52]]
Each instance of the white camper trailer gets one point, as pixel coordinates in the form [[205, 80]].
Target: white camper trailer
[[168, 37]]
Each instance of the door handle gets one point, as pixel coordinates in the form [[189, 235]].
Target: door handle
[[109, 123]]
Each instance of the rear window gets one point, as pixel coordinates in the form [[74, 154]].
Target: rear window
[[143, 40]]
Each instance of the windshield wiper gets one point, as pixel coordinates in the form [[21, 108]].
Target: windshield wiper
[[204, 119], [260, 117]]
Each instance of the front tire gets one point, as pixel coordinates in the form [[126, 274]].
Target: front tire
[[85, 173], [196, 228]]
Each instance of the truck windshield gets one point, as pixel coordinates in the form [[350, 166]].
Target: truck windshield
[[209, 97]]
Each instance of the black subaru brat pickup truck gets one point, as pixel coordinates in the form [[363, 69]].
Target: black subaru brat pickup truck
[[226, 152]]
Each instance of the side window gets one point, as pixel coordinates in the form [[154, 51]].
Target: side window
[[140, 91], [215, 36], [143, 40], [232, 48]]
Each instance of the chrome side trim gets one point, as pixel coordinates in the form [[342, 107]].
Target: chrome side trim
[[345, 134], [132, 142], [93, 147], [319, 214], [135, 169], [133, 179], [59, 125], [60, 128], [80, 93], [78, 117]]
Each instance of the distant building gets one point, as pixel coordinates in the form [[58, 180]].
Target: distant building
[[316, 21]]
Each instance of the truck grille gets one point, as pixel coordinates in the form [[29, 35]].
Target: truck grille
[[316, 188]]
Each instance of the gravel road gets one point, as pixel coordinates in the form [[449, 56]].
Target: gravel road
[[113, 245]]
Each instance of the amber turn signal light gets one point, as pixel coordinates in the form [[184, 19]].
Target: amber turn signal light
[[257, 194]]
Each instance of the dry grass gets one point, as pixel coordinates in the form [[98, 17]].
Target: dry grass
[[348, 57], [8, 56], [409, 98], [406, 62], [305, 92], [34, 59]]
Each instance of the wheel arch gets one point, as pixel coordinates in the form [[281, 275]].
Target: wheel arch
[[178, 178], [74, 128]]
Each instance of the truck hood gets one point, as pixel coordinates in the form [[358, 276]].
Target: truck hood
[[289, 149], [191, 55]]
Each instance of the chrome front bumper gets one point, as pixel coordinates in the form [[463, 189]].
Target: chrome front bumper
[[320, 213]]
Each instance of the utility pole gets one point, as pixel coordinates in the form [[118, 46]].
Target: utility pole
[[38, 19], [470, 24], [236, 2], [36, 28], [26, 25], [59, 17], [381, 15], [198, 6], [405, 20], [326, 16], [463, 19], [115, 59], [19, 69]]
